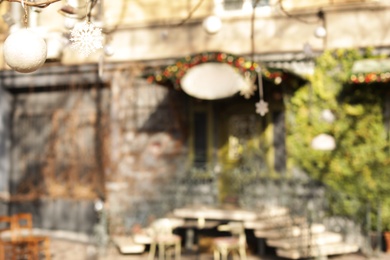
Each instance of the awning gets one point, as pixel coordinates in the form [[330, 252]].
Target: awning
[[370, 71]]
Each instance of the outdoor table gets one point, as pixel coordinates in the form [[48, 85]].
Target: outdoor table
[[208, 213], [198, 219]]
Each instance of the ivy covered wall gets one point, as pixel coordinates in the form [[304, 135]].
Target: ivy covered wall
[[354, 115]]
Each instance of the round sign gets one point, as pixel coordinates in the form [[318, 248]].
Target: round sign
[[212, 80]]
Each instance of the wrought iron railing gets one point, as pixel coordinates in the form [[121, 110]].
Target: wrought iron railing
[[305, 198]]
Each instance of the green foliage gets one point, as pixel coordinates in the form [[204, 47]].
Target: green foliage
[[359, 165], [239, 172]]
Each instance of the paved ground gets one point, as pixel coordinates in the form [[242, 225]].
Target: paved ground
[[67, 250]]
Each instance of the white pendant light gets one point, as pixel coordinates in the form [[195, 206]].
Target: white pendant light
[[320, 32]]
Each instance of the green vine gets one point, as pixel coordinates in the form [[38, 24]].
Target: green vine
[[359, 165]]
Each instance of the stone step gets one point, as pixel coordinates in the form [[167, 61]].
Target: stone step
[[293, 231], [126, 245], [306, 241], [142, 238], [271, 212], [317, 251], [282, 221]]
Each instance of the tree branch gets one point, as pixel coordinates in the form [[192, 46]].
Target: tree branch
[[41, 4]]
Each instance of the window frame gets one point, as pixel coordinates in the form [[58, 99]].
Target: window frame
[[245, 10], [243, 5]]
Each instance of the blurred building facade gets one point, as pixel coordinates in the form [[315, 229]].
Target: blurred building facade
[[81, 129]]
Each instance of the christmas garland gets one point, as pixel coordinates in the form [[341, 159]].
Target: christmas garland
[[372, 77], [175, 72]]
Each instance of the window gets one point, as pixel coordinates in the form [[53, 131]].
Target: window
[[260, 3], [239, 4], [200, 139], [233, 4]]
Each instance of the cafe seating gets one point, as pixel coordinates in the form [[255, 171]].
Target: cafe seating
[[236, 243], [164, 240], [17, 240], [5, 236], [10, 246], [24, 231]]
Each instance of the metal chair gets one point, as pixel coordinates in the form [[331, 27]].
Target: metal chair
[[164, 240], [236, 243]]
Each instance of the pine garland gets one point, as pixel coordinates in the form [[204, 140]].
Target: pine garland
[[175, 72]]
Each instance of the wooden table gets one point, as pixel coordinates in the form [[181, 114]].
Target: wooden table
[[208, 213], [200, 219]]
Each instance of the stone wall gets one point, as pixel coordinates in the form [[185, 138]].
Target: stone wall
[[147, 169], [5, 106], [148, 147]]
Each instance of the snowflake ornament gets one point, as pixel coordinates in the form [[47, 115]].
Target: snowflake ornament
[[248, 89], [262, 107], [86, 38]]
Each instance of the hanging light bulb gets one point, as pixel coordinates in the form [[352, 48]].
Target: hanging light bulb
[[108, 50], [212, 24], [323, 142], [320, 32], [69, 23]]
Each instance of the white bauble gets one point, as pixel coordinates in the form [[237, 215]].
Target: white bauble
[[212, 24], [25, 51], [108, 50], [323, 142], [320, 32]]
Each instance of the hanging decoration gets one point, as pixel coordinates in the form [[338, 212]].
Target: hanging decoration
[[261, 106], [212, 24], [249, 88], [372, 77], [24, 51], [175, 72], [85, 37], [34, 3]]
